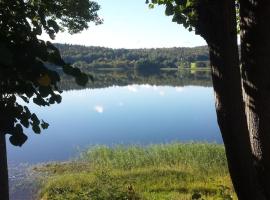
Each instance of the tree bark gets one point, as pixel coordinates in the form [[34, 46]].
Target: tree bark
[[218, 19], [255, 51], [4, 187]]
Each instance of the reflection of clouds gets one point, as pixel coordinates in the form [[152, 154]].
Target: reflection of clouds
[[132, 88], [155, 87], [161, 93], [179, 89], [146, 86], [99, 109]]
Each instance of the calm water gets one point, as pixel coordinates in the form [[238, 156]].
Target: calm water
[[133, 114]]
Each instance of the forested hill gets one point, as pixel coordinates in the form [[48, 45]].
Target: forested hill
[[101, 57], [136, 66]]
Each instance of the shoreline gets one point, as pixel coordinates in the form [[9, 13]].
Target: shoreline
[[162, 171]]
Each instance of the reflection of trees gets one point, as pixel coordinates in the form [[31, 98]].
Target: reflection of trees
[[126, 77]]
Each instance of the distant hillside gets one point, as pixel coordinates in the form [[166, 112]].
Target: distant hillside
[[89, 58]]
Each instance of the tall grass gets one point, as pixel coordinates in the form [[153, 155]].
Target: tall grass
[[199, 156], [174, 171]]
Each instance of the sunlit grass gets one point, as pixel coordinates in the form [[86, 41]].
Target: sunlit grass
[[156, 172]]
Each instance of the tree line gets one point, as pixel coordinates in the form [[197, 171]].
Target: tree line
[[87, 58]]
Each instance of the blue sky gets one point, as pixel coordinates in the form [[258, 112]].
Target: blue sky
[[131, 24]]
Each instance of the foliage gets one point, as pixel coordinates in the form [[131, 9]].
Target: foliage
[[200, 156], [134, 66], [184, 12], [100, 57], [98, 186], [167, 171], [193, 14], [24, 72]]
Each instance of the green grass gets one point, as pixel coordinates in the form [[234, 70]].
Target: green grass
[[174, 171]]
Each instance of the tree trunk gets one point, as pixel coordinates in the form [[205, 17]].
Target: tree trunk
[[218, 20], [255, 50], [4, 188]]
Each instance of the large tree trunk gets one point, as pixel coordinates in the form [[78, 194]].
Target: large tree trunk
[[4, 188], [218, 21], [255, 50]]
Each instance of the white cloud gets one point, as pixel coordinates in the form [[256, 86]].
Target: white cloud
[[161, 93], [155, 87], [146, 86], [132, 88], [99, 109], [179, 89]]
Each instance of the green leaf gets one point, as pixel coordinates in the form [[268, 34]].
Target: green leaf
[[24, 121], [35, 119], [44, 91], [44, 125], [68, 69], [54, 25], [58, 98], [36, 129], [76, 72], [151, 6], [82, 80], [18, 138], [180, 2], [27, 112], [169, 9], [25, 99]]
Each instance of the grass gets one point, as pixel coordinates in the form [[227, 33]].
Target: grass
[[174, 171]]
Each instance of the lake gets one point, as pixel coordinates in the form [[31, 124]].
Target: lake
[[144, 110]]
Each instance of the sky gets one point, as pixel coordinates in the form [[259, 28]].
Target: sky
[[131, 24]]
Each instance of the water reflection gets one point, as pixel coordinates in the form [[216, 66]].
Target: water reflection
[[132, 114], [175, 78]]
